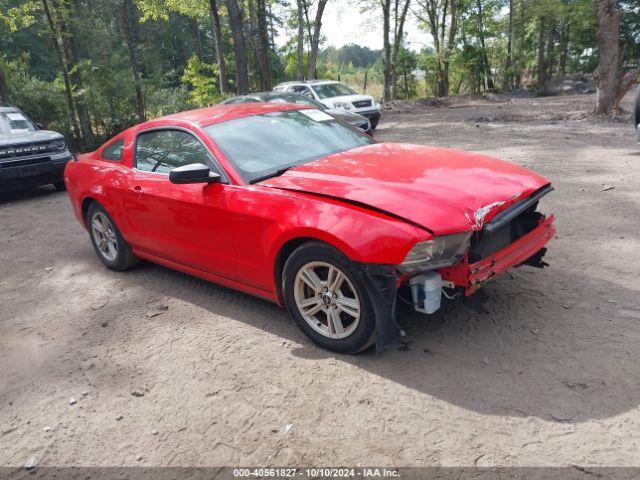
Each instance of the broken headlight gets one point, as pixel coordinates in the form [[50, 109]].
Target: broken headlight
[[437, 253]]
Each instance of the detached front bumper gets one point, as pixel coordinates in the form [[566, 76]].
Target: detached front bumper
[[471, 276]]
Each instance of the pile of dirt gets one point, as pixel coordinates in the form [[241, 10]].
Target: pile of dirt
[[571, 85], [404, 106], [509, 117]]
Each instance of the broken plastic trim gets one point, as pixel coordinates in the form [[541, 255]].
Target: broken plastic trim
[[504, 217], [535, 260], [381, 284]]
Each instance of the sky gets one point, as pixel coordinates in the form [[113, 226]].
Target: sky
[[343, 23]]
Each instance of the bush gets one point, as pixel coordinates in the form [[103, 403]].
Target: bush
[[165, 101], [202, 79], [44, 102]]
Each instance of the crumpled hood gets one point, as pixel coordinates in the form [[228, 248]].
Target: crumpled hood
[[7, 139], [443, 190]]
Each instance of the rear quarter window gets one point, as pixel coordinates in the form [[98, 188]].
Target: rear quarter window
[[113, 152]]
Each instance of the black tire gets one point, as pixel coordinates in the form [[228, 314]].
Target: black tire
[[374, 123], [124, 258], [364, 334], [60, 186]]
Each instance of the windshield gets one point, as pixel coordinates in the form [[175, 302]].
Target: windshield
[[260, 146], [329, 90], [15, 122]]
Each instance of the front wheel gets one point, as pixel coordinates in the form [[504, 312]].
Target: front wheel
[[324, 293]]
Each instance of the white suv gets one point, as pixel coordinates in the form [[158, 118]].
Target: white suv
[[335, 95]]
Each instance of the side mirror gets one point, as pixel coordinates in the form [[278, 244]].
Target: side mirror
[[40, 126], [193, 173]]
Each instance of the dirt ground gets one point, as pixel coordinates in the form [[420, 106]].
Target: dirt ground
[[152, 367]]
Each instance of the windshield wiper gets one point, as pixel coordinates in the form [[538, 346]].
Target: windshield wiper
[[277, 173]]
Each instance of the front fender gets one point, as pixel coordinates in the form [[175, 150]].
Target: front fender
[[268, 219], [362, 235]]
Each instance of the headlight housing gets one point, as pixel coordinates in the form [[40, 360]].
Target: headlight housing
[[342, 105], [57, 146], [440, 252]]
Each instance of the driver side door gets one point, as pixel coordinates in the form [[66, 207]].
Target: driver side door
[[189, 224]]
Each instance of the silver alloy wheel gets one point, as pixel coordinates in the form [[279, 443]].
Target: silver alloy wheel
[[104, 236], [327, 300]]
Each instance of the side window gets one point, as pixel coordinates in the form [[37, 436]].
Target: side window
[[306, 91], [114, 151], [160, 151]]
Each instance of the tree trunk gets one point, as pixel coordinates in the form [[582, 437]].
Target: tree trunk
[[485, 58], [453, 30], [300, 53], [130, 39], [386, 13], [443, 88], [397, 42], [626, 83], [264, 59], [57, 42], [564, 48], [4, 88], [65, 19], [239, 47], [507, 80], [542, 69], [550, 55], [199, 39], [406, 81], [315, 40], [272, 30], [607, 74], [218, 46]]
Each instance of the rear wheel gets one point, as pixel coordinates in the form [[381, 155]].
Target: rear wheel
[[107, 240], [324, 293]]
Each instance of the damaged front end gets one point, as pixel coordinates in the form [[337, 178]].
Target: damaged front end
[[514, 236], [485, 260]]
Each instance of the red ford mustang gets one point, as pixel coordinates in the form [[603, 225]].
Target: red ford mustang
[[287, 203]]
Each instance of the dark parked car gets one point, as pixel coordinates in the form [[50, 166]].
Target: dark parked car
[[353, 119], [29, 155]]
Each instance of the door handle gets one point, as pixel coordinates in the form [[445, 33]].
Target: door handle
[[137, 189]]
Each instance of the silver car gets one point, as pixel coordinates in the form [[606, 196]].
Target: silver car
[[29, 155]]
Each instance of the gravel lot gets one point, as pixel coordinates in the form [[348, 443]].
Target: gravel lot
[[152, 367]]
